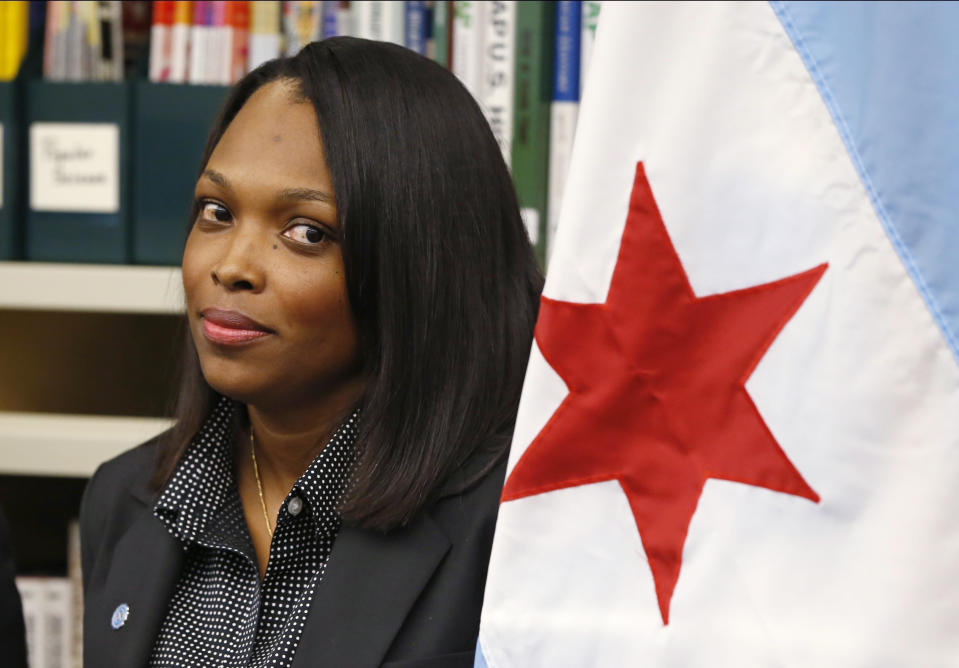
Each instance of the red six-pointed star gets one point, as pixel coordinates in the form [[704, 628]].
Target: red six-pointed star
[[657, 397]]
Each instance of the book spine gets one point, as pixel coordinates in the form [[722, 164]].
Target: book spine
[[111, 31], [416, 26], [32, 596], [57, 621], [499, 45], [468, 31], [439, 48], [564, 108], [218, 55], [532, 95], [331, 24], [74, 62], [239, 40], [378, 19], [200, 43], [159, 66], [264, 32], [75, 577], [14, 27], [588, 37], [180, 34], [344, 18]]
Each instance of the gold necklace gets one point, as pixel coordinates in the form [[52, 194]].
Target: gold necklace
[[259, 485]]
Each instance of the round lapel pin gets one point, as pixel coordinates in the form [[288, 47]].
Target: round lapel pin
[[120, 616]]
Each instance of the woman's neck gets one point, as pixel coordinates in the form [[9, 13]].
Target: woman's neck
[[286, 440]]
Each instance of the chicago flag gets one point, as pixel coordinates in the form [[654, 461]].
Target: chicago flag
[[738, 442]]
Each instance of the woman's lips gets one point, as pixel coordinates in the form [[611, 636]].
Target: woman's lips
[[231, 328]]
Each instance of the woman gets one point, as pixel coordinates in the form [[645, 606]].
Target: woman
[[360, 298]]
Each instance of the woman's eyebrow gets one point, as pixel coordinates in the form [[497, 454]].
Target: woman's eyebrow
[[308, 194], [286, 194]]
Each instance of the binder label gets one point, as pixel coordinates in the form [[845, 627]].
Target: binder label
[[75, 167]]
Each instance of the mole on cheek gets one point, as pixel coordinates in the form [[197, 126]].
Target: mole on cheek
[[276, 139]]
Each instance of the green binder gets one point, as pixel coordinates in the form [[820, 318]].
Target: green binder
[[11, 214], [172, 122], [94, 233]]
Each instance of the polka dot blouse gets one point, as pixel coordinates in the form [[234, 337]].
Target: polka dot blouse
[[221, 614]]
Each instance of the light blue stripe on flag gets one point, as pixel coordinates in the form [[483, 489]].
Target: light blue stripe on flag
[[887, 72], [480, 660]]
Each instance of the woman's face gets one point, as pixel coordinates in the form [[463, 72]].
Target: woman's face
[[263, 265]]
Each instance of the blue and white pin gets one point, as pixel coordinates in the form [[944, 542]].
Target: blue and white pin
[[120, 616]]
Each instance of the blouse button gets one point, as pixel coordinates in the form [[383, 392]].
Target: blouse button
[[294, 506]]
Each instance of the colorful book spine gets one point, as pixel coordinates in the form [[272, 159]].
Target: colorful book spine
[[590, 20], [532, 94], [159, 66], [440, 42], [331, 16], [564, 108], [302, 24], [219, 53], [238, 18], [14, 28], [416, 29], [74, 40], [180, 34], [200, 37], [499, 45], [468, 31], [265, 35]]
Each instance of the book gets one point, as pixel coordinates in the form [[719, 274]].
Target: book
[[238, 48], [14, 28], [160, 40], [467, 56], [564, 108], [302, 24], [331, 19], [75, 576], [180, 34], [439, 45], [590, 19], [48, 617], [264, 32], [417, 27], [532, 95], [381, 20], [219, 53], [201, 29], [496, 88], [112, 40]]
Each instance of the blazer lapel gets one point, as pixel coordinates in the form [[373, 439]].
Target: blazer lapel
[[371, 582], [142, 574]]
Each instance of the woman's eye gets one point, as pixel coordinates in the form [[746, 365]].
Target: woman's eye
[[305, 234], [214, 211]]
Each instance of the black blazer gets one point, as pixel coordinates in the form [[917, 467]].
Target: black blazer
[[408, 598]]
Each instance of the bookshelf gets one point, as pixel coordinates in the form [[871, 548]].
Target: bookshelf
[[52, 428]]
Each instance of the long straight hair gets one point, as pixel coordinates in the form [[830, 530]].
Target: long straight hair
[[440, 274]]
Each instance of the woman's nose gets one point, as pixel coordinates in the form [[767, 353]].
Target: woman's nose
[[240, 268]]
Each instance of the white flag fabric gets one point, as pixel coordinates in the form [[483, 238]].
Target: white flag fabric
[[738, 442]]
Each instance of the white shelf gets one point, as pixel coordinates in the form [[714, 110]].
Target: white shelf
[[90, 287], [47, 444]]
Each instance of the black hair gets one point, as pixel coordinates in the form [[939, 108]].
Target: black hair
[[441, 278]]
